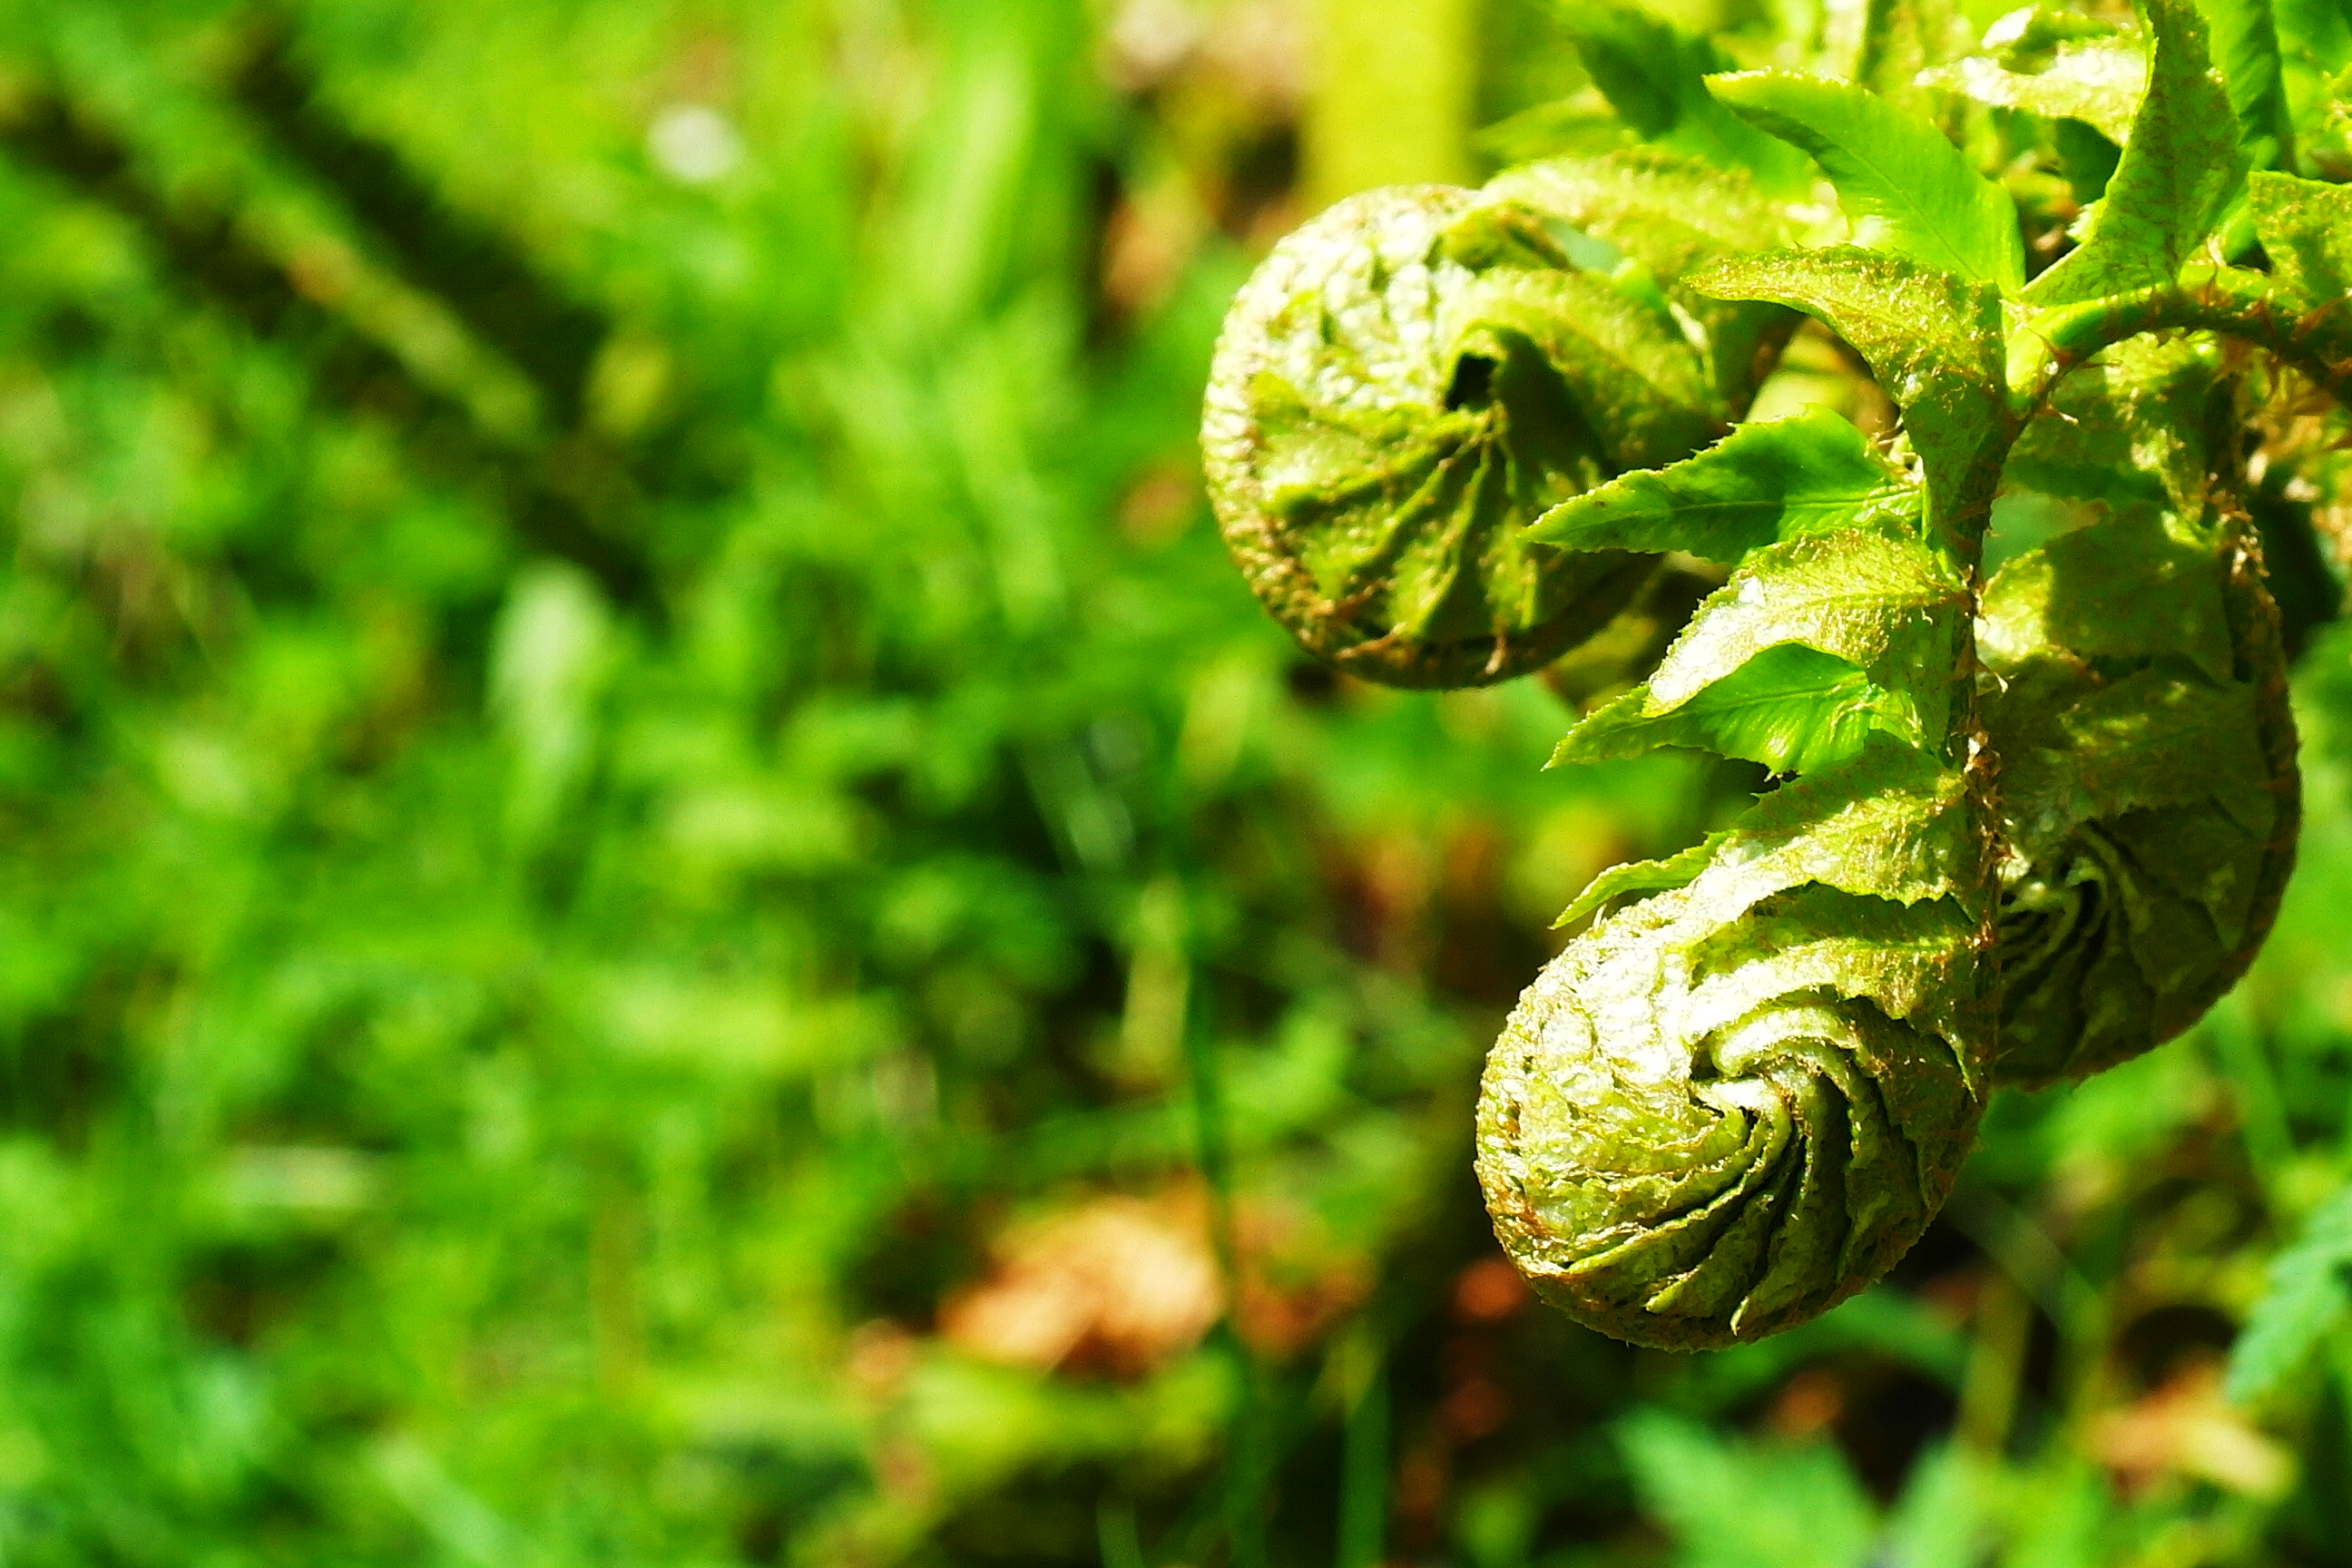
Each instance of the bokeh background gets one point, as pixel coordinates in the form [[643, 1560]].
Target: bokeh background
[[660, 903]]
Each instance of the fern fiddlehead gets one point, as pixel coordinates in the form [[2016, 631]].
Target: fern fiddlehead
[[2137, 701], [1414, 377], [1745, 1090], [2021, 831]]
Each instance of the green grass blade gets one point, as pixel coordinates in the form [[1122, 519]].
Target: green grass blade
[[1364, 1470], [2308, 1297]]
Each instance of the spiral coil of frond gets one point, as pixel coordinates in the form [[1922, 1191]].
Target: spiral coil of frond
[[1415, 377], [1745, 1090], [2136, 695], [1733, 1103]]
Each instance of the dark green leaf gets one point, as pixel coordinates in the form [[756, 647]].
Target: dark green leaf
[[2315, 48], [2128, 428], [2317, 29], [2088, 156], [1903, 39], [1640, 62], [2316, 34], [2246, 48], [1653, 75], [2134, 586], [2149, 738]]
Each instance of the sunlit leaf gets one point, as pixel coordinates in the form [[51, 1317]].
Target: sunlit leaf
[[1791, 709], [2097, 82], [1761, 484], [2305, 227], [2181, 168], [1633, 877], [1909, 191], [1933, 341]]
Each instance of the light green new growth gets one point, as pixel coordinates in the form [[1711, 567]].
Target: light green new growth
[[2021, 831], [1404, 384], [1907, 190], [1764, 484]]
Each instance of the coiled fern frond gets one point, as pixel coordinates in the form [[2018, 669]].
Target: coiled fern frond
[[1419, 373], [2018, 831], [1744, 1092], [2138, 699]]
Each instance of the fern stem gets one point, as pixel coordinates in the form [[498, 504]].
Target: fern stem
[[2229, 300]]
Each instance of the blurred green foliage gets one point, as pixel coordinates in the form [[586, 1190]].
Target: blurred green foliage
[[665, 905]]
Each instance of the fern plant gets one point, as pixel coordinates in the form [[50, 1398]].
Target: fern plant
[[2024, 825]]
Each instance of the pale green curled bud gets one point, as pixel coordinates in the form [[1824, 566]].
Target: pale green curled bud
[[2148, 791], [1403, 385], [1732, 1104], [1744, 1092]]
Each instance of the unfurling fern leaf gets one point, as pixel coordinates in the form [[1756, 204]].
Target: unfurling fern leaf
[[1743, 1093], [1733, 1103], [2020, 832], [2148, 792], [1413, 378], [2138, 699]]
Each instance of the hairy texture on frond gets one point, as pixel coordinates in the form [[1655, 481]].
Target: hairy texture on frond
[[1404, 384], [1670, 216]]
